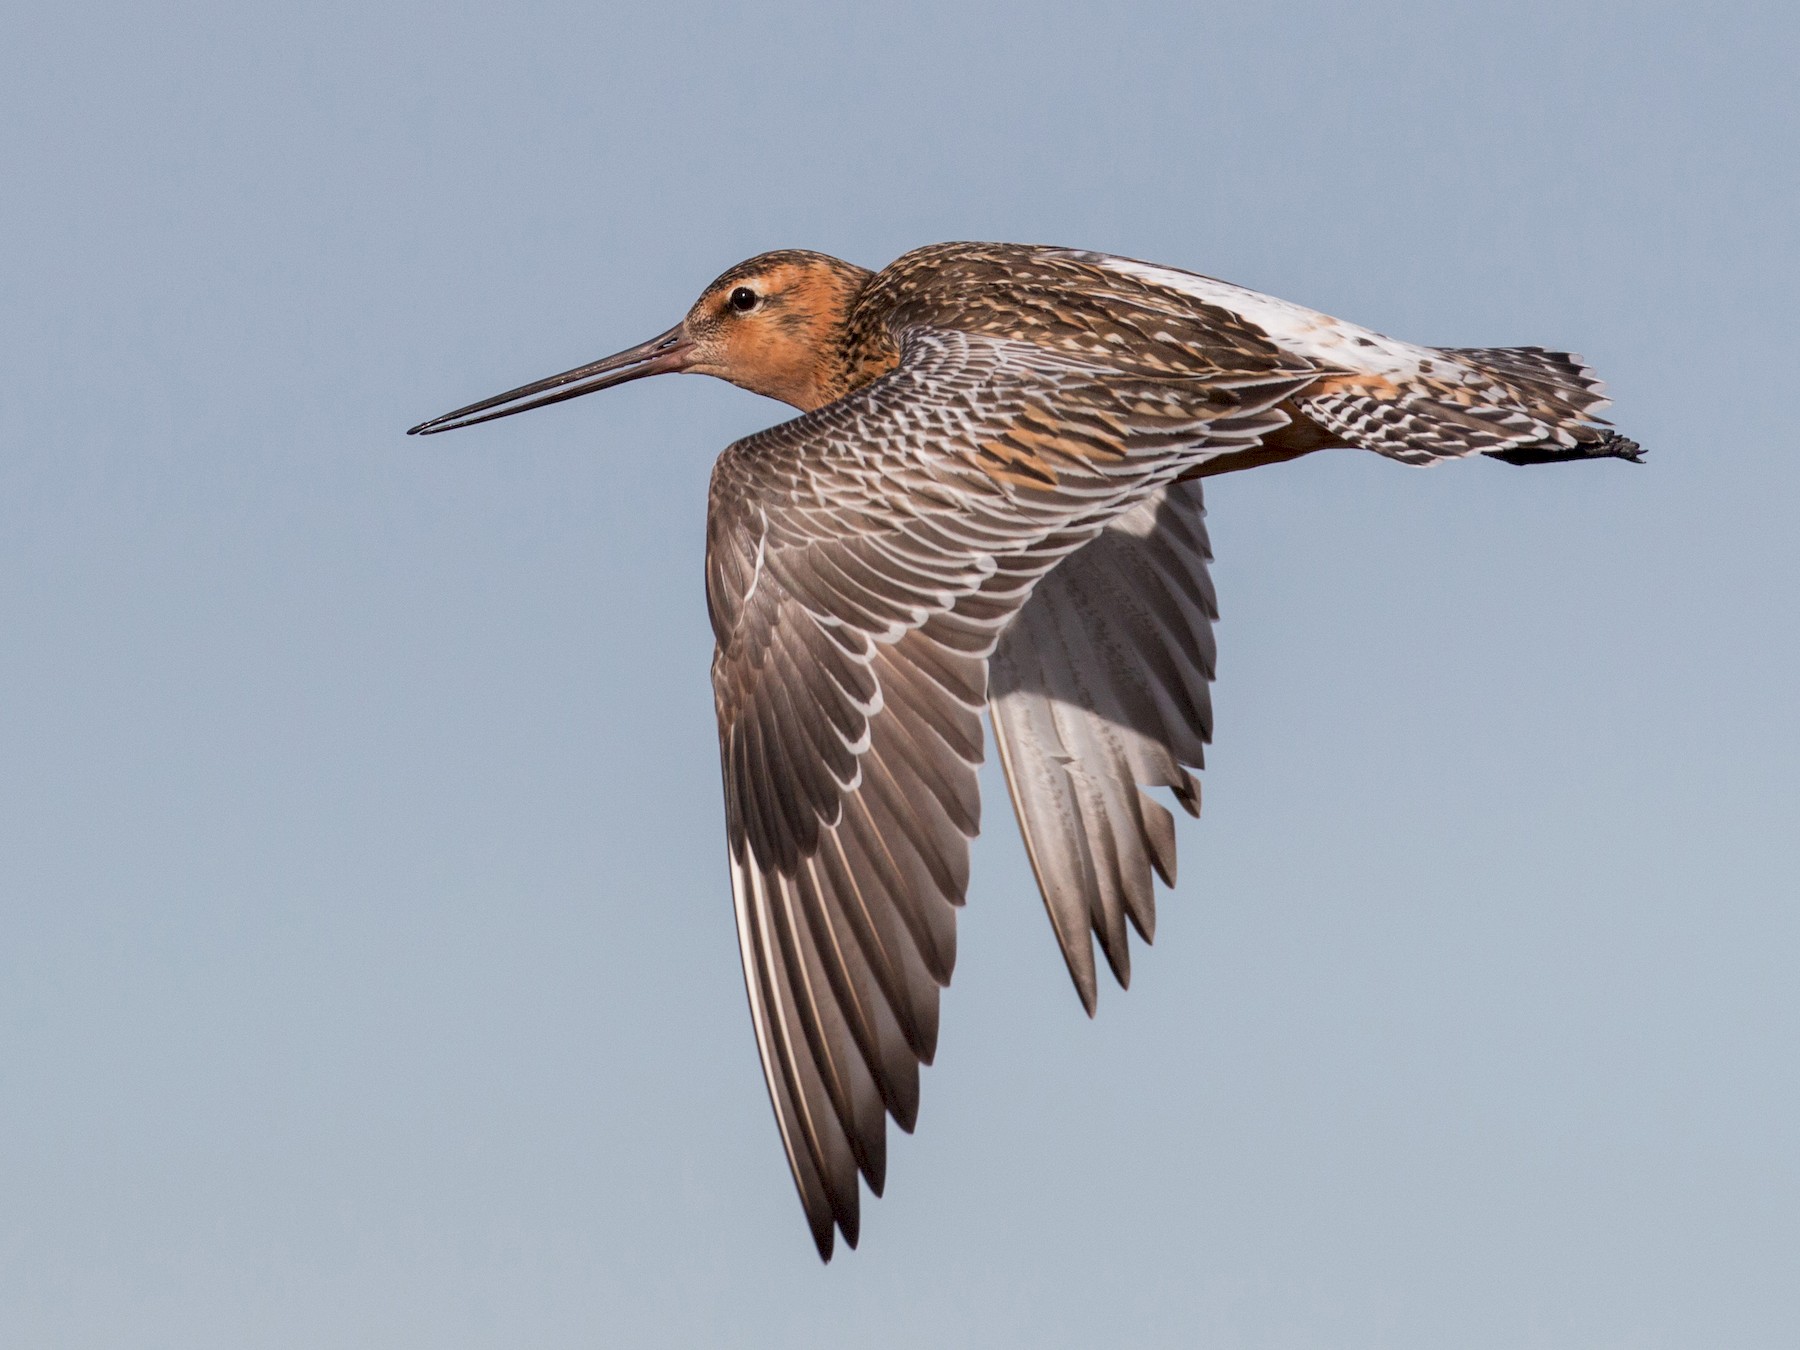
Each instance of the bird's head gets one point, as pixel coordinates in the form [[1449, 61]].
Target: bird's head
[[769, 325]]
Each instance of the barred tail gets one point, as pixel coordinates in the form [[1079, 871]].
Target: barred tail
[[1561, 379], [1525, 405]]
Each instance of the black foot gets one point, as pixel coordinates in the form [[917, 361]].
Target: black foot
[[1611, 445]]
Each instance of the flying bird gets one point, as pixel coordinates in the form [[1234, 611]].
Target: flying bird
[[991, 500]]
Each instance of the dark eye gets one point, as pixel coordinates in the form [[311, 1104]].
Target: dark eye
[[743, 300]]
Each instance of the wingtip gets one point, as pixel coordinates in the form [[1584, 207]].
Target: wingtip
[[1120, 964], [1187, 792], [1088, 991], [876, 1176]]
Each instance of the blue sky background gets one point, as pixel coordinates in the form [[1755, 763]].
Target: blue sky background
[[367, 974]]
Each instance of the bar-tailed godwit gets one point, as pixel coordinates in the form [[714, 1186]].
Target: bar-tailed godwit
[[991, 500]]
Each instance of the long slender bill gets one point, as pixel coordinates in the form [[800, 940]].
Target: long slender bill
[[665, 352]]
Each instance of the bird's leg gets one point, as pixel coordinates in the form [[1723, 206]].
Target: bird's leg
[[1611, 445]]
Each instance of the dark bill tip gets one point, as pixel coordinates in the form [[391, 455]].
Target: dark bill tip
[[665, 352]]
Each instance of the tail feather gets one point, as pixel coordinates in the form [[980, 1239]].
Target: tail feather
[[1561, 378], [1526, 405]]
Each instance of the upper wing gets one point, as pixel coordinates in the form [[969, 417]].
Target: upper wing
[[1416, 404], [1099, 689], [861, 563]]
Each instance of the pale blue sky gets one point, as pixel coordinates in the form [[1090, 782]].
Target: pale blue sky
[[367, 975]]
